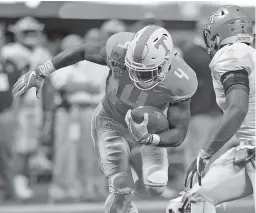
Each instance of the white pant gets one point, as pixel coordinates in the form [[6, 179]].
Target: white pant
[[226, 181], [29, 121]]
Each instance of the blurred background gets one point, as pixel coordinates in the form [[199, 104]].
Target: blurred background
[[47, 161]]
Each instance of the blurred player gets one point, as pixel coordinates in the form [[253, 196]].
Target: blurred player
[[148, 19], [143, 71], [228, 38], [27, 54], [9, 74], [111, 27]]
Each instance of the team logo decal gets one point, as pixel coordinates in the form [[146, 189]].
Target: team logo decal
[[117, 64], [118, 72], [160, 43]]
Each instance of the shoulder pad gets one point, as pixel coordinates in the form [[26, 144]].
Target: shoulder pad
[[237, 56], [118, 43], [182, 80]]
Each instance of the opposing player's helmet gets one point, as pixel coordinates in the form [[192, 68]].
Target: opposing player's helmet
[[28, 31], [149, 56], [229, 24]]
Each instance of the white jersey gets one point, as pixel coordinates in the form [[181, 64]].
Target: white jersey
[[237, 56]]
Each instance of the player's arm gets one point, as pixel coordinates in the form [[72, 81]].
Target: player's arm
[[35, 78], [178, 113], [89, 52], [178, 116], [236, 86]]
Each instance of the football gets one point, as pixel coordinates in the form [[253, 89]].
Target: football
[[157, 121]]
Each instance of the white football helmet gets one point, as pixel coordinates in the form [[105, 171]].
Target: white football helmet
[[28, 31], [148, 57]]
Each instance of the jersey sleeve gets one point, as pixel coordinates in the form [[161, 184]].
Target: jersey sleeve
[[90, 52], [118, 40], [116, 47], [235, 57], [183, 82]]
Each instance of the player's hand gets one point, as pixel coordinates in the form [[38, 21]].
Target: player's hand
[[196, 169], [139, 131], [27, 81]]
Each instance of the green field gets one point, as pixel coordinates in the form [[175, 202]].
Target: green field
[[242, 206], [38, 205]]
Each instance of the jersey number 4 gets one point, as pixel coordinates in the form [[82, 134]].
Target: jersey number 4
[[180, 73]]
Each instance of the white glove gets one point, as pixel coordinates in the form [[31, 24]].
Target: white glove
[[138, 131], [27, 81]]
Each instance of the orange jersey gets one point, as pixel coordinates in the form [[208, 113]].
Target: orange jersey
[[121, 95]]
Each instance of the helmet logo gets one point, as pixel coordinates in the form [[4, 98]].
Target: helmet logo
[[160, 42]]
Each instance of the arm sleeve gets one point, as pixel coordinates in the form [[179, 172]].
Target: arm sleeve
[[89, 52], [231, 78]]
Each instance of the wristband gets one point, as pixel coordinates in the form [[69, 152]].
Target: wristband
[[146, 140], [150, 139], [46, 69], [156, 140]]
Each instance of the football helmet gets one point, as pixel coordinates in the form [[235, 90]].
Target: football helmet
[[28, 31], [148, 57], [229, 24]]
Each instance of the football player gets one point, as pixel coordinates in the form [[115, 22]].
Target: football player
[[228, 37], [27, 52], [143, 71]]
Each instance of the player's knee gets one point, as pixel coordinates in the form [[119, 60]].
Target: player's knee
[[121, 186], [154, 191], [156, 182], [121, 183]]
